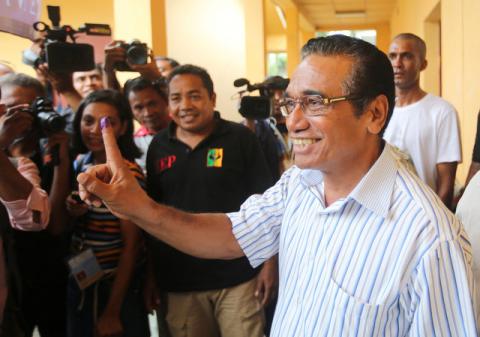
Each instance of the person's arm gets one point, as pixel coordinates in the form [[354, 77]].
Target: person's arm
[[267, 281], [475, 165], [26, 203], [446, 181], [60, 188], [201, 235], [474, 168], [113, 54], [109, 323], [148, 70], [63, 84]]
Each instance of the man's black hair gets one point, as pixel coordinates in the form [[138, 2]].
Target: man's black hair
[[23, 81], [372, 73], [173, 63], [113, 98], [193, 70], [141, 83]]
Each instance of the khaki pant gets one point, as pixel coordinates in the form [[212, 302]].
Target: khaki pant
[[229, 312]]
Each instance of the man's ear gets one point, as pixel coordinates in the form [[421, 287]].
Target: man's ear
[[377, 114], [214, 99], [424, 65]]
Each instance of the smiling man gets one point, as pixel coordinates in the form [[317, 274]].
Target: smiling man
[[202, 163], [365, 247], [423, 125]]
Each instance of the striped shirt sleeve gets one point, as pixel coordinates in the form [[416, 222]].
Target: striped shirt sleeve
[[443, 290], [257, 224]]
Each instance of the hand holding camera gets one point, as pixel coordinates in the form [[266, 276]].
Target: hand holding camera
[[60, 81], [15, 123], [123, 56]]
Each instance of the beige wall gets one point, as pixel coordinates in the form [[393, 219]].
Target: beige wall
[[74, 13], [213, 34], [460, 50]]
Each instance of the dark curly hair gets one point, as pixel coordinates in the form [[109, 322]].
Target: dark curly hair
[[113, 98]]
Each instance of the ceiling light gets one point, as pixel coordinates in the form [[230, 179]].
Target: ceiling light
[[351, 14], [281, 16]]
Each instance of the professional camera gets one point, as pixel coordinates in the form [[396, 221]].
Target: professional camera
[[259, 107], [60, 55], [136, 53], [46, 119]]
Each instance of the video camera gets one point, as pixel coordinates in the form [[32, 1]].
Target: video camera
[[136, 53], [259, 107], [60, 55]]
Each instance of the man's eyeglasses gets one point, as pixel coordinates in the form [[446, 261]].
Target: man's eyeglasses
[[312, 105]]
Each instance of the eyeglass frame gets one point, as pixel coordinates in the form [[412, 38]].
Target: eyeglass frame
[[326, 101]]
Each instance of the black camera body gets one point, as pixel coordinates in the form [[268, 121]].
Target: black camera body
[[259, 107], [46, 118], [136, 53], [68, 57], [60, 55]]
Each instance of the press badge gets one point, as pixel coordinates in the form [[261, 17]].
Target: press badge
[[85, 268]]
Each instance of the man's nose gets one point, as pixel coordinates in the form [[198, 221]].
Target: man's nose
[[396, 62], [185, 103], [296, 120], [148, 111]]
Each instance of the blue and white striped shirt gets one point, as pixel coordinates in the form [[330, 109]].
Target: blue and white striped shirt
[[387, 260]]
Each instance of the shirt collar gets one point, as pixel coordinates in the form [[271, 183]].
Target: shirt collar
[[143, 131], [375, 189]]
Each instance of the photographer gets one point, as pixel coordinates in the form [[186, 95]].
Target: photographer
[[261, 116], [131, 57], [40, 255], [27, 208]]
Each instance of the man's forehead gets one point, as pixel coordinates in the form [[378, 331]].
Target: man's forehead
[[404, 45], [186, 82], [14, 95], [143, 94]]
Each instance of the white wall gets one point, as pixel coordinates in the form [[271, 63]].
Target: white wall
[[210, 34]]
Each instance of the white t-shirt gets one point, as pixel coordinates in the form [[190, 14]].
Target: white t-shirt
[[468, 211], [428, 131]]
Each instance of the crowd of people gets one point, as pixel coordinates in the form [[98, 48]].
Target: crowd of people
[[149, 200]]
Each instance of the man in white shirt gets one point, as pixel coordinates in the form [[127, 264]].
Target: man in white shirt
[[423, 125], [365, 247]]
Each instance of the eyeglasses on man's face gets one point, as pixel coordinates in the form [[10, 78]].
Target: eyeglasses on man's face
[[311, 105]]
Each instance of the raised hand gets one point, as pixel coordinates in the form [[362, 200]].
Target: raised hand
[[15, 122], [112, 183]]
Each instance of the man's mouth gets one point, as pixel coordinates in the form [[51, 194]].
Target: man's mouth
[[304, 141]]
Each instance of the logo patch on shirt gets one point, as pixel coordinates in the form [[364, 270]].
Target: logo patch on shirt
[[165, 163], [214, 158]]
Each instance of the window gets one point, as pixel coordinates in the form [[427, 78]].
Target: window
[[277, 64]]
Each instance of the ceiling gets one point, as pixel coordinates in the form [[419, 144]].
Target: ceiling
[[334, 13], [326, 13]]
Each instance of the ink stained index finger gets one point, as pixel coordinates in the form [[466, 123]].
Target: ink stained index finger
[[114, 156]]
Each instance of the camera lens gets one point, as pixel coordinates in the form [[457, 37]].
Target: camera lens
[[51, 122], [137, 54]]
